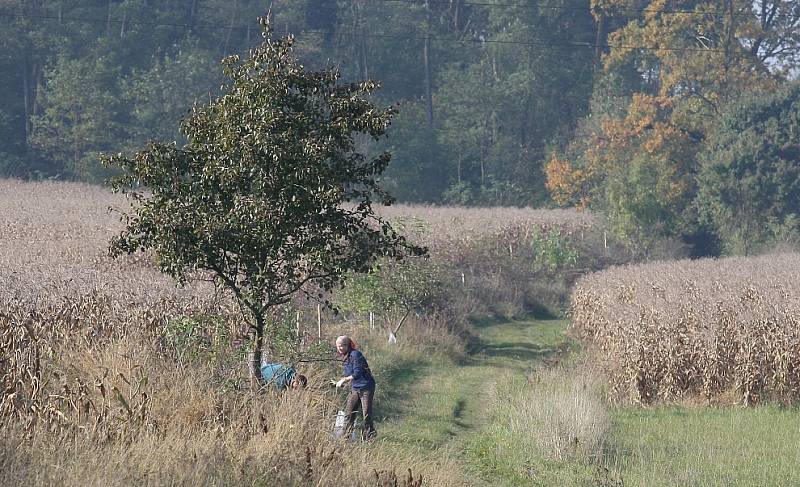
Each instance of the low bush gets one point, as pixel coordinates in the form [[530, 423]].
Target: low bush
[[558, 414]]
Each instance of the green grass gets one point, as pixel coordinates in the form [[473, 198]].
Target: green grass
[[706, 446], [438, 409]]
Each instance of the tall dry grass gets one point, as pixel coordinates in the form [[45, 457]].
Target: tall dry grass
[[559, 414], [119, 412], [95, 390], [723, 330]]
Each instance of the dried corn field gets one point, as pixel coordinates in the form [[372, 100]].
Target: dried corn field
[[451, 222], [455, 234], [61, 295], [93, 355], [725, 330]]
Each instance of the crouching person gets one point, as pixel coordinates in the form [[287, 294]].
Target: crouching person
[[282, 376], [362, 386]]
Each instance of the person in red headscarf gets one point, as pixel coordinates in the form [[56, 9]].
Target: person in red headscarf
[[362, 386]]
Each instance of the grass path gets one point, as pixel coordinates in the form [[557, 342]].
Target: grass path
[[434, 410], [439, 413]]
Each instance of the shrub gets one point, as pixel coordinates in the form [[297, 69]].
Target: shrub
[[557, 414]]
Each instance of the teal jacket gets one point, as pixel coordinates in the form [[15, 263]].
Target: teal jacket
[[278, 375]]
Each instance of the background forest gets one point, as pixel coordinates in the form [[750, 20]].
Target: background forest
[[677, 120]]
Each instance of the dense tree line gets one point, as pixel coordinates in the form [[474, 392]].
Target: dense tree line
[[483, 90], [673, 72], [620, 106]]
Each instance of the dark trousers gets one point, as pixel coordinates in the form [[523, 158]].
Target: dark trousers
[[362, 398]]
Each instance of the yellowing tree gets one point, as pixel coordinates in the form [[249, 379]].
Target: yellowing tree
[[690, 59]]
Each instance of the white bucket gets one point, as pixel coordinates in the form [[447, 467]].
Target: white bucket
[[340, 425]]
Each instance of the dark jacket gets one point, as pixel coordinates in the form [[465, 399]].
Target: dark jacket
[[356, 365]]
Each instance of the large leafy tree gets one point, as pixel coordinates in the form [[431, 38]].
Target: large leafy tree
[[749, 184], [690, 60], [160, 96], [637, 169], [269, 194], [80, 116]]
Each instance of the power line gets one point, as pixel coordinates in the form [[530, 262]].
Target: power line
[[531, 43], [533, 5], [62, 18]]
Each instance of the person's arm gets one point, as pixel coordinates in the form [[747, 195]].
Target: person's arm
[[356, 368]]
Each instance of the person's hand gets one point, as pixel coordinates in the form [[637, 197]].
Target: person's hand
[[341, 382]]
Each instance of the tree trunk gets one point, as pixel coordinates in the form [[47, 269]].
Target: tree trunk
[[364, 56], [38, 83], [362, 43], [122, 26], [108, 18], [192, 13], [528, 112], [426, 61], [458, 168], [359, 42], [483, 164], [32, 74], [598, 39], [356, 53], [729, 48], [26, 96], [428, 89], [526, 115], [229, 34], [254, 357]]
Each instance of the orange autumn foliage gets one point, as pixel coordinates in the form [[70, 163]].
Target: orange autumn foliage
[[565, 183], [646, 131]]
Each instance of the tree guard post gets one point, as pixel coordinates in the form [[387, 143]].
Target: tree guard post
[[319, 321]]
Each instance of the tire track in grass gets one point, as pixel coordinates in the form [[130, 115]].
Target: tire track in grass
[[441, 412], [437, 408]]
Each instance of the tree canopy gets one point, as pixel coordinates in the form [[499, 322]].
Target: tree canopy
[[606, 105], [683, 64], [269, 194], [749, 184]]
